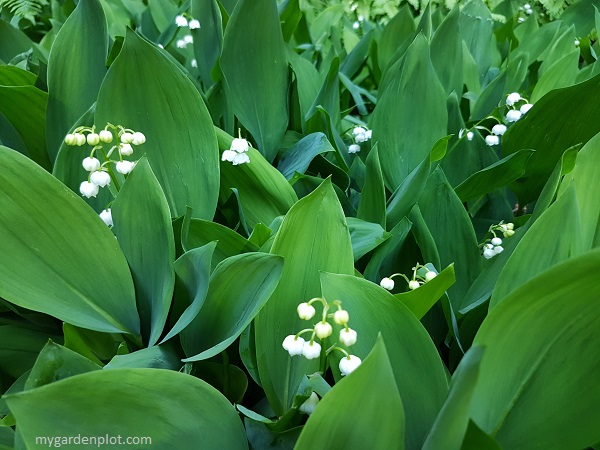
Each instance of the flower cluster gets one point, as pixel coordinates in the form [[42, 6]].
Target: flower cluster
[[360, 135], [526, 8], [515, 112], [237, 152], [182, 21], [183, 43], [493, 246], [101, 174], [421, 275], [296, 345]]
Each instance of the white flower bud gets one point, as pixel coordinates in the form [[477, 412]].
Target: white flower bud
[[341, 317], [526, 107], [305, 311], [311, 350], [93, 139], [348, 337], [496, 241], [430, 275], [239, 145], [70, 139], [310, 404], [488, 253], [127, 138], [498, 249], [293, 345], [521, 19], [228, 155], [387, 283], [181, 43], [181, 21], [194, 24], [106, 216], [90, 164], [194, 63], [80, 139], [470, 135], [124, 167], [577, 42], [510, 226], [513, 115], [349, 364], [513, 98], [106, 136], [353, 148], [188, 39], [356, 25], [323, 330], [100, 178], [241, 158], [526, 6], [492, 139], [126, 149], [499, 129], [508, 233], [138, 138], [88, 189], [413, 284]]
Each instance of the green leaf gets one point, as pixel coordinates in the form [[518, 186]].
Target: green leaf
[[300, 155], [181, 146], [130, 402], [238, 289], [208, 39], [421, 300], [364, 410], [476, 439], [421, 381], [13, 40], [559, 225], [494, 176], [452, 422], [406, 134], [447, 53], [571, 116], [19, 348], [400, 28], [372, 198], [257, 59], [476, 28], [13, 76], [81, 276], [561, 74], [313, 237], [543, 392], [365, 236], [142, 224], [76, 68], [193, 270], [156, 357]]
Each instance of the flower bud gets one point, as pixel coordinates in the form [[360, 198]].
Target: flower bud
[[127, 138], [138, 138], [387, 283], [470, 135], [293, 345], [341, 317], [93, 139], [310, 404], [125, 167], [508, 233], [349, 364], [305, 311], [413, 284], [100, 178], [70, 139], [348, 336], [105, 136], [323, 330], [430, 275], [80, 139], [510, 226], [88, 189], [106, 216], [496, 241], [90, 164], [126, 149], [353, 148], [311, 350]]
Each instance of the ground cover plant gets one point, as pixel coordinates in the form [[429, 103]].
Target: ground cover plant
[[299, 224]]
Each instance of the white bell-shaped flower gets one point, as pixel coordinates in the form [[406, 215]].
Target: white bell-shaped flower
[[311, 350], [513, 98], [70, 139], [305, 311], [513, 115], [188, 38], [526, 107], [126, 149], [323, 330], [105, 136], [138, 138], [341, 317], [93, 139], [181, 43], [496, 241], [349, 364], [353, 148], [387, 283], [310, 404], [228, 155], [90, 164], [239, 145], [125, 166], [100, 178], [470, 135], [348, 336], [499, 129], [181, 21], [127, 138], [194, 24], [106, 216], [492, 139], [80, 139], [430, 275], [241, 158], [293, 345], [413, 284], [88, 189], [498, 249], [488, 253]]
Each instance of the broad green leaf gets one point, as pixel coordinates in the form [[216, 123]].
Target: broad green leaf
[[19, 348], [290, 15], [561, 74], [451, 424], [14, 41], [81, 275], [476, 439], [453, 233], [364, 410], [13, 76], [76, 68], [299, 157], [142, 224], [238, 289], [400, 28], [422, 299], [263, 191], [230, 380], [257, 59], [571, 116], [181, 146], [55, 363], [193, 269], [170, 408], [380, 263], [94, 345], [476, 29], [365, 236], [405, 135], [446, 53], [494, 176], [208, 39], [416, 364], [156, 357], [542, 392], [314, 237], [560, 226], [28, 121], [307, 83], [372, 198]]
